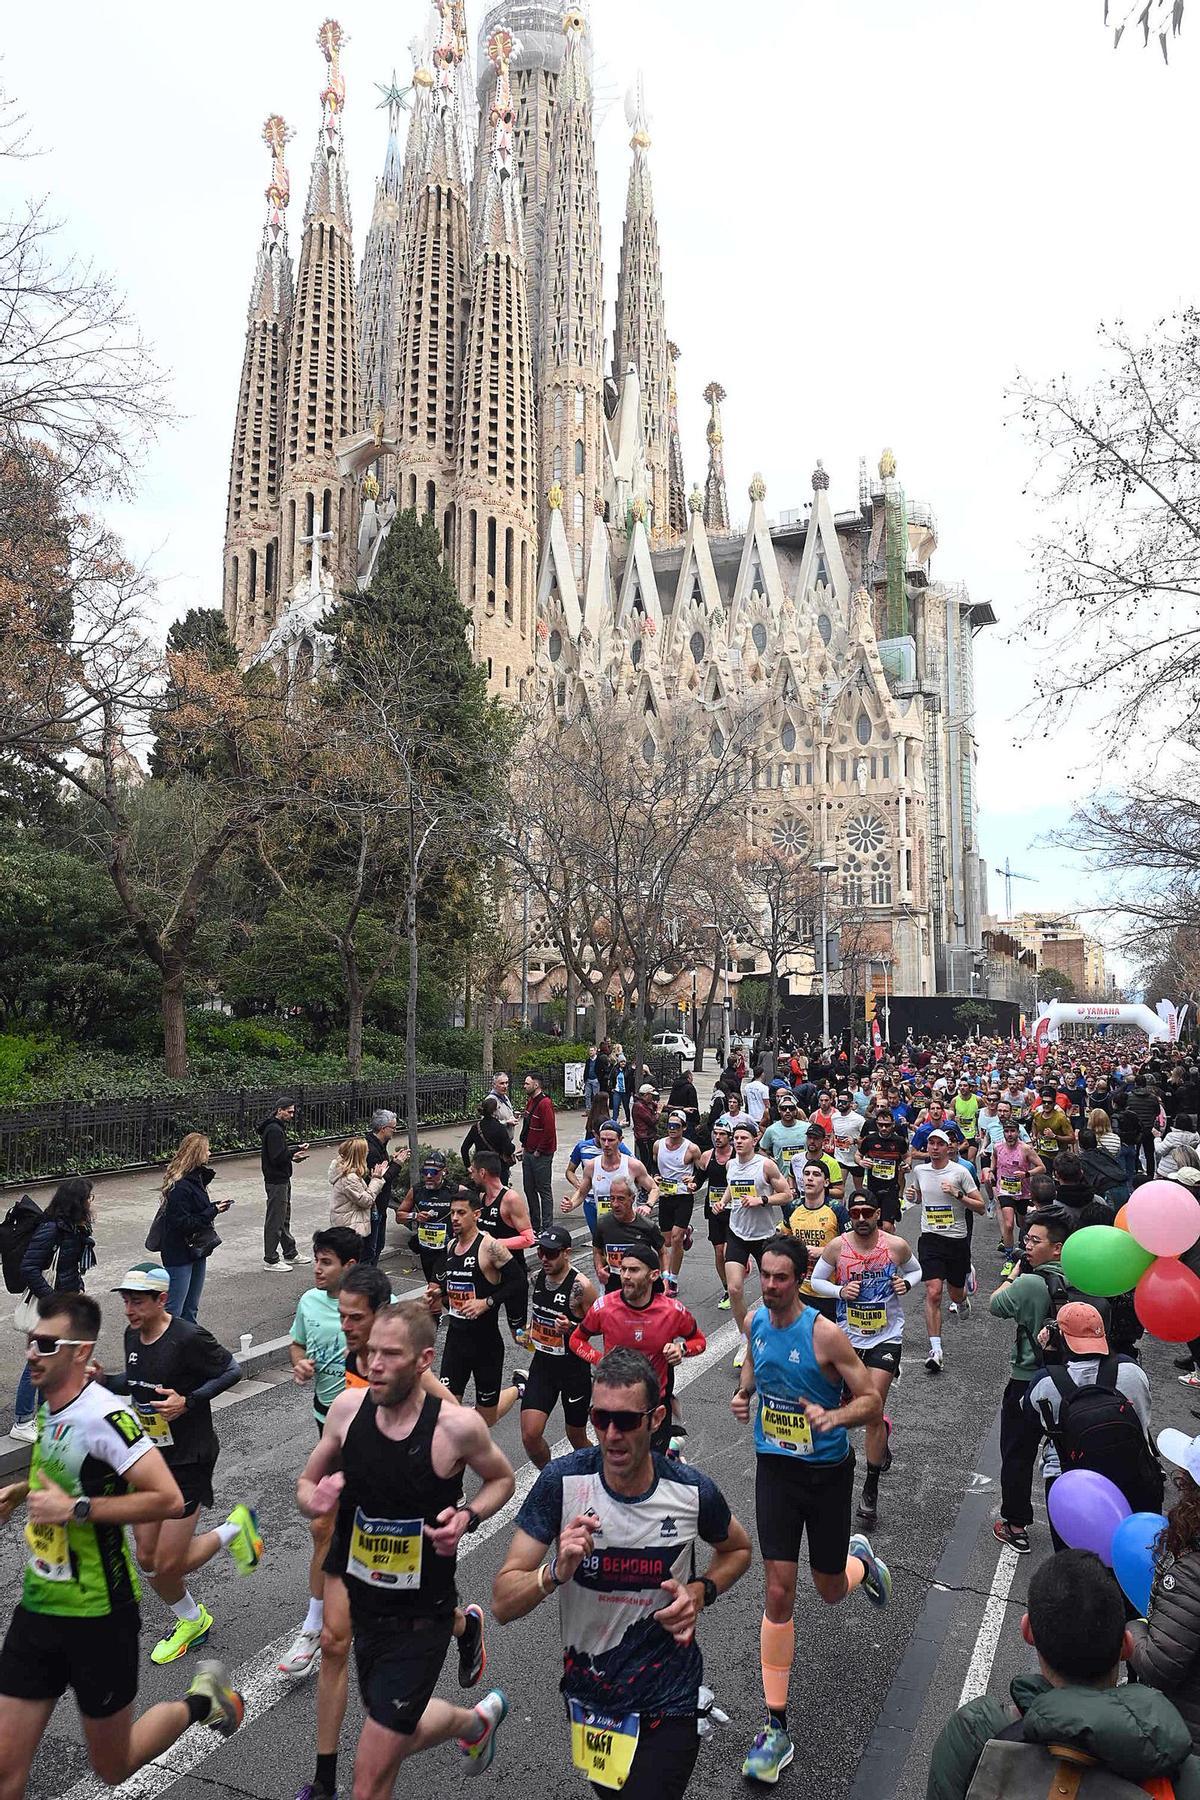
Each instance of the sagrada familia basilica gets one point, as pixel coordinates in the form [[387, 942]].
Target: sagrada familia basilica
[[464, 370]]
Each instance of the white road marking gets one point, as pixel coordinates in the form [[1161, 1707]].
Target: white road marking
[[979, 1669], [259, 1681]]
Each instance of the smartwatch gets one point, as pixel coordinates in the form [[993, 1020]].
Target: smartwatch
[[472, 1519], [81, 1512], [710, 1591]]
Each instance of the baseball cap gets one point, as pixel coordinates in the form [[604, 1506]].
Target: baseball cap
[[942, 1137], [676, 1118], [555, 1237], [647, 1087], [1082, 1328], [1182, 1450], [641, 1253], [148, 1279]]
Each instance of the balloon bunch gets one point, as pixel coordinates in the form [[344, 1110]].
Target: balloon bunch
[[1089, 1512], [1157, 1226]]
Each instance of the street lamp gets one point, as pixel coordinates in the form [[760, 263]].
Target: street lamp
[[726, 937], [825, 869]]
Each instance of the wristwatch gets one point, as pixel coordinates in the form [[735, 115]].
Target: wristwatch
[[472, 1519], [710, 1591], [81, 1512]]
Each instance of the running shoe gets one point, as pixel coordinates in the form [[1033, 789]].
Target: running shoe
[[868, 1508], [739, 1355], [493, 1710], [300, 1658], [933, 1362], [313, 1791], [972, 1279], [188, 1634], [1191, 1380], [768, 1756], [298, 1256], [520, 1377], [25, 1431], [723, 1303], [472, 1655], [963, 1309], [1003, 1249], [1184, 1362], [247, 1547], [279, 1266], [228, 1707], [952, 1308], [877, 1583], [1013, 1535], [689, 1238]]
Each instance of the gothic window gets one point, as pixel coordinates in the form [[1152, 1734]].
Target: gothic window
[[881, 881], [577, 512], [787, 736], [558, 412], [789, 834], [825, 627], [841, 763], [696, 646], [577, 559], [555, 645], [808, 774], [558, 463], [579, 456], [579, 406], [865, 833], [635, 652], [862, 729], [853, 885], [758, 636], [716, 742]]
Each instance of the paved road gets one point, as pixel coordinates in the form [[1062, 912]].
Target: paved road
[[870, 1690]]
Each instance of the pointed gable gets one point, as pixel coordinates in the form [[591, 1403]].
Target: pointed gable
[[822, 565], [556, 580]]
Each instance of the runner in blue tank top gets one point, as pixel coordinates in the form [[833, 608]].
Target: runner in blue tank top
[[800, 1365]]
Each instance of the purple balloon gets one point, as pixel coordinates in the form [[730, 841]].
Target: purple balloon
[[1085, 1510]]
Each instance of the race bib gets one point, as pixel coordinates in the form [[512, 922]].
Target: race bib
[[717, 1202], [49, 1553], [784, 1160], [671, 1185], [867, 1319], [603, 1208], [386, 1553], [613, 1254], [156, 1428], [741, 1190], [434, 1236], [1010, 1184], [459, 1294], [603, 1744], [546, 1335], [878, 1166], [939, 1218], [785, 1426]]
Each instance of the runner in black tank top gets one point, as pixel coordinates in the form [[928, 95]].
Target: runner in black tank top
[[560, 1299], [402, 1455], [504, 1215], [426, 1208], [477, 1275], [716, 1210]]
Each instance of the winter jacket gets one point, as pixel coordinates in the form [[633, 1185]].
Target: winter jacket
[[1174, 1140], [276, 1151], [1144, 1105], [1105, 1173], [1132, 1730], [1166, 1649], [188, 1212], [490, 1134], [352, 1201], [76, 1253]]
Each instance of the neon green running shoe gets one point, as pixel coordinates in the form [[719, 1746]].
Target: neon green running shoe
[[227, 1709], [247, 1547], [188, 1634]]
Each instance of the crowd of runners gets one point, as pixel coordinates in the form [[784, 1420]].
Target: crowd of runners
[[802, 1170]]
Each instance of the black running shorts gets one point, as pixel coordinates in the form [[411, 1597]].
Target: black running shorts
[[43, 1656], [553, 1378], [473, 1355], [792, 1497], [399, 1662]]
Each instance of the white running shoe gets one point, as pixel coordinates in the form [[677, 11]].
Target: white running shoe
[[300, 1658], [279, 1266], [298, 1256], [933, 1362], [25, 1430]]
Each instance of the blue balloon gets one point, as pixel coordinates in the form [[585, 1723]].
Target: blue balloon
[[1133, 1556]]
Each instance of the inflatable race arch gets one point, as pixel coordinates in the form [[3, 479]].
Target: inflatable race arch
[[1162, 1022]]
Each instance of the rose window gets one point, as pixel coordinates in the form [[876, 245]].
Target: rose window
[[865, 833], [789, 834]]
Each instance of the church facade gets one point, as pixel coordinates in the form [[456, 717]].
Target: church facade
[[466, 373]]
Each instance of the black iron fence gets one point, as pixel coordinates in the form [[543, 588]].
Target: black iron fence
[[89, 1137]]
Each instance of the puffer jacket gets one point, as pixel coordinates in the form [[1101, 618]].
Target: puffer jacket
[[352, 1200], [76, 1249], [1167, 1647], [1134, 1731]]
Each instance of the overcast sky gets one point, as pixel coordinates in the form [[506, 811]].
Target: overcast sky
[[873, 213]]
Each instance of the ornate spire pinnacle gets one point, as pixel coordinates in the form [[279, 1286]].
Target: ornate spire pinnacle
[[820, 477], [676, 485], [716, 499], [640, 332], [500, 215], [887, 465], [328, 188], [279, 189], [758, 489], [330, 38]]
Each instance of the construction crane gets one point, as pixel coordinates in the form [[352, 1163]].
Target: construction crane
[[1010, 875]]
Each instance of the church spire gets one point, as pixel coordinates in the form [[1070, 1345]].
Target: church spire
[[571, 368], [251, 569], [377, 277], [716, 500], [496, 499], [434, 293], [640, 333], [323, 387], [677, 507]]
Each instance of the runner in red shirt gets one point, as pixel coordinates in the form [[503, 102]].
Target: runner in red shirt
[[639, 1319]]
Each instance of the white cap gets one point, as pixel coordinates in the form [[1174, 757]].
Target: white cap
[[1182, 1450], [942, 1137]]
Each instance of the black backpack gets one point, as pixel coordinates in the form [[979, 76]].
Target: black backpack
[[16, 1228], [1098, 1429]]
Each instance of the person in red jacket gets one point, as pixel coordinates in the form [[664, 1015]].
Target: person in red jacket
[[539, 1141], [639, 1319]]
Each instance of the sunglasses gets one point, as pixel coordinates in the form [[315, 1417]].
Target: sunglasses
[[624, 1422], [557, 1251], [862, 1212], [50, 1346]]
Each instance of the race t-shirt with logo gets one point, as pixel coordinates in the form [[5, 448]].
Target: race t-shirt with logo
[[183, 1358], [943, 1212], [815, 1227], [612, 1238], [847, 1129], [317, 1328], [433, 1233], [617, 1660], [1051, 1131], [882, 1154], [876, 1316], [966, 1115], [784, 1144], [83, 1571], [648, 1328]]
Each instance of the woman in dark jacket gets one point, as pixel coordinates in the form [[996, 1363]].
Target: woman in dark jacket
[[188, 1237], [487, 1133], [57, 1257], [1166, 1649]]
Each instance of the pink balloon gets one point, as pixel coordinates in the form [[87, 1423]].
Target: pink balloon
[[1163, 1217]]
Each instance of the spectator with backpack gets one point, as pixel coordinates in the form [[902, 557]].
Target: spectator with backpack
[[1030, 1292], [1166, 1647], [58, 1255], [188, 1236], [1094, 1407], [1121, 1741]]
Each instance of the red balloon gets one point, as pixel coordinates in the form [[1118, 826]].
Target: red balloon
[[1167, 1301]]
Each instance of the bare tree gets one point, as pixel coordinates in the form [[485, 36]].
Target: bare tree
[[777, 910], [1147, 841]]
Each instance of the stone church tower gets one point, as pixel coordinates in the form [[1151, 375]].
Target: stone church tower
[[640, 333]]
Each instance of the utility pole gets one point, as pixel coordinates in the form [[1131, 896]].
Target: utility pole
[[825, 869]]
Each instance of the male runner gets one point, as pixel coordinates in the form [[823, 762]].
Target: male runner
[[715, 1167], [391, 1462], [427, 1206], [1051, 1129], [477, 1276], [800, 1366], [756, 1192], [848, 1125], [935, 1119], [504, 1216], [817, 1150], [173, 1371], [1007, 1177], [625, 1526], [677, 1161], [613, 1164], [946, 1190], [882, 1148], [616, 1230], [787, 1139], [966, 1112], [868, 1272], [561, 1297], [93, 1471], [638, 1318], [816, 1222]]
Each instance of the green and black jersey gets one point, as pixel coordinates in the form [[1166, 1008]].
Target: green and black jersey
[[83, 1571]]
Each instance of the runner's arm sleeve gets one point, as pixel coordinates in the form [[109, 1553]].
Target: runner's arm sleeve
[[821, 1280], [578, 1342], [228, 1377], [522, 1241], [911, 1272], [695, 1342]]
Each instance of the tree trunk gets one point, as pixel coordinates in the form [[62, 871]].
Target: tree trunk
[[571, 1000], [489, 1031], [174, 1017], [410, 1004], [354, 1018], [600, 1013], [639, 1032]]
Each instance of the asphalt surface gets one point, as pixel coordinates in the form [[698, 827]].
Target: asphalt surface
[[870, 1689]]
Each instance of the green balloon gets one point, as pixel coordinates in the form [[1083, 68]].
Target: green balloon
[[1102, 1260]]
